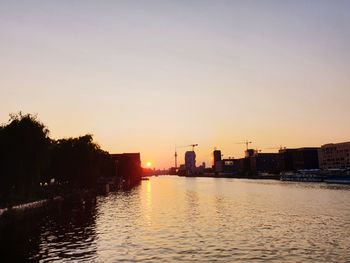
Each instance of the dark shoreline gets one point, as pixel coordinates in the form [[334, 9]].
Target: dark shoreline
[[70, 197], [213, 175], [18, 211]]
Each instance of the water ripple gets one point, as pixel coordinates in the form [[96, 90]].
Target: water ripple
[[171, 219]]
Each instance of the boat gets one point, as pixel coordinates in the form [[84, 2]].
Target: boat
[[338, 176], [312, 175], [338, 179]]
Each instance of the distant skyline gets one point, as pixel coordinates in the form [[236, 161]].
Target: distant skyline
[[144, 76]]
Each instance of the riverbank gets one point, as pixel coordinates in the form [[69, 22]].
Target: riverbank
[[55, 197], [17, 211]]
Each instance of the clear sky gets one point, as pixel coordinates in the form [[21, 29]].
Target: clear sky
[[146, 75]]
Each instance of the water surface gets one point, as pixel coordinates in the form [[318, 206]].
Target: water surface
[[172, 218]]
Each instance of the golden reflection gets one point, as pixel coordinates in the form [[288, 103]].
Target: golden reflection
[[148, 202], [148, 186]]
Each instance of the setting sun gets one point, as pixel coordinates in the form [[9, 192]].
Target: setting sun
[[148, 164]]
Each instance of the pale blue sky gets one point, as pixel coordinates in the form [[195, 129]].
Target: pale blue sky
[[146, 75]]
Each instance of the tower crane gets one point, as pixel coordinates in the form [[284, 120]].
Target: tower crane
[[246, 143], [183, 146], [275, 148]]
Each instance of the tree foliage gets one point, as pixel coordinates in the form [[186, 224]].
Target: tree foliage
[[24, 154], [29, 159], [78, 162]]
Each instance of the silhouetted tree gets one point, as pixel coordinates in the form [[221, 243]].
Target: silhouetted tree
[[29, 159], [24, 145], [78, 162], [106, 165]]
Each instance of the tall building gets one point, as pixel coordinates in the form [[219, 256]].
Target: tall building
[[216, 156], [334, 155], [217, 165], [190, 162]]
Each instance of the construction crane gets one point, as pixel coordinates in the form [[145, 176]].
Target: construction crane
[[183, 146], [275, 148], [246, 143]]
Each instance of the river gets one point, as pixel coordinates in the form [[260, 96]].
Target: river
[[171, 218]]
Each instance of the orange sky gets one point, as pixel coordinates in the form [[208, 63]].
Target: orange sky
[[146, 76]]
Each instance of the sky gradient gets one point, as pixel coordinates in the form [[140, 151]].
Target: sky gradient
[[146, 75]]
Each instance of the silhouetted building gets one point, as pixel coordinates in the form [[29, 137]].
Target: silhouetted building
[[335, 155], [250, 153], [217, 166], [286, 159], [190, 162], [173, 171], [230, 165], [128, 168], [306, 158], [201, 169], [244, 166], [182, 170], [298, 159], [264, 163]]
